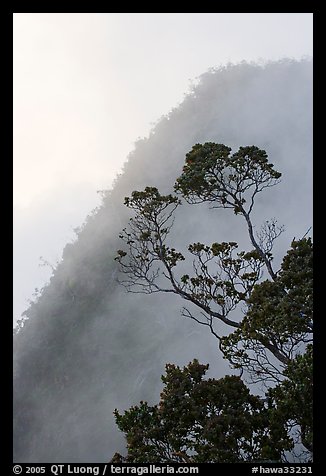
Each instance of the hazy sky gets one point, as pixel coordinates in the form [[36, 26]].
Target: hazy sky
[[86, 86]]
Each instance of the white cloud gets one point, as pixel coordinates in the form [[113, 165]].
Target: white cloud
[[86, 86]]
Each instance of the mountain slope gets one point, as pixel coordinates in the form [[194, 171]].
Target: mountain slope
[[88, 346]]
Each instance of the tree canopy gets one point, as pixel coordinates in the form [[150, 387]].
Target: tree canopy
[[202, 420], [270, 320]]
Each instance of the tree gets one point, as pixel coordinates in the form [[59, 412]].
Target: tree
[[279, 314], [202, 420], [271, 320], [292, 400]]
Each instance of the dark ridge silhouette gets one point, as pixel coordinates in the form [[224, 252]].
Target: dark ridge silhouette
[[87, 346]]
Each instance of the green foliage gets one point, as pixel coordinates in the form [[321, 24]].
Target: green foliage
[[280, 314], [222, 277], [201, 420], [211, 174], [291, 402], [218, 420], [150, 203]]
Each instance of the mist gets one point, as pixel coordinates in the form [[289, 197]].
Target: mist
[[87, 86], [88, 347]]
